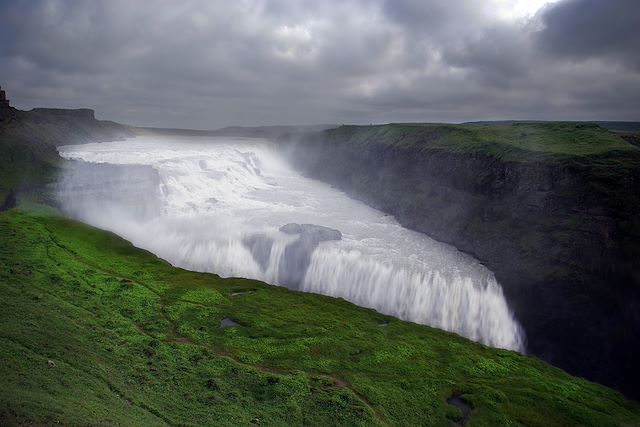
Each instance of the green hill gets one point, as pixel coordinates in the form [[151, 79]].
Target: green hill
[[97, 332], [520, 142]]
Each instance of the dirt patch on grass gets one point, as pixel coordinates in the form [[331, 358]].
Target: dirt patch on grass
[[465, 408]]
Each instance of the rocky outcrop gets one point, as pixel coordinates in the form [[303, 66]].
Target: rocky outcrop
[[6, 112], [562, 234], [63, 127], [311, 233], [9, 202], [28, 140], [296, 257]]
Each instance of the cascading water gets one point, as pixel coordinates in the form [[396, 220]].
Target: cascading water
[[234, 207]]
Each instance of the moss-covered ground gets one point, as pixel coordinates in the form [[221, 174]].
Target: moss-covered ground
[[96, 332]]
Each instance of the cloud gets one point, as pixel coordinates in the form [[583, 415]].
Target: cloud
[[498, 56], [585, 29], [206, 64]]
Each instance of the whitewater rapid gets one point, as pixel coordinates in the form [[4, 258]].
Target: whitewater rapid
[[218, 205]]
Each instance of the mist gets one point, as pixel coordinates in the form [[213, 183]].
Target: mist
[[235, 207]]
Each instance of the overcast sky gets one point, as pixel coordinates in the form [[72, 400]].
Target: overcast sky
[[207, 64]]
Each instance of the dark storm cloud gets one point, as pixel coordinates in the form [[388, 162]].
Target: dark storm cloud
[[208, 64], [583, 29], [498, 56]]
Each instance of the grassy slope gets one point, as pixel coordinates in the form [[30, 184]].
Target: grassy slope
[[137, 342], [509, 142]]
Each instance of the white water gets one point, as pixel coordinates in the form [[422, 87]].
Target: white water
[[216, 194]]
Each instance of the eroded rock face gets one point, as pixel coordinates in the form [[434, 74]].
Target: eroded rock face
[[260, 246], [312, 232], [9, 201], [296, 257]]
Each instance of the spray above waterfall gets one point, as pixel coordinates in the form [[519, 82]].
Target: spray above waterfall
[[236, 208]]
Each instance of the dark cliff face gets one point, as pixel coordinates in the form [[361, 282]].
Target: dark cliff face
[[62, 127], [561, 234], [28, 140]]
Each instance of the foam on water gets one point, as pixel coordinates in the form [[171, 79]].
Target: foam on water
[[221, 203]]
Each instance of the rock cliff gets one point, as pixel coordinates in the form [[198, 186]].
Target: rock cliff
[[28, 140]]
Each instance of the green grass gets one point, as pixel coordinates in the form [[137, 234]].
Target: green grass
[[509, 142], [135, 341]]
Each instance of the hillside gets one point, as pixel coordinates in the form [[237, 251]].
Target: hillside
[[268, 132], [551, 208], [517, 142], [98, 332]]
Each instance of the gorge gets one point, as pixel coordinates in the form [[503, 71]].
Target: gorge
[[233, 206]]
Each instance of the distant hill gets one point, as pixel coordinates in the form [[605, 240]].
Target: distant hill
[[268, 132], [613, 126], [621, 127]]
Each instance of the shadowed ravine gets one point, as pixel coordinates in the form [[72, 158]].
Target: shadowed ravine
[[235, 208]]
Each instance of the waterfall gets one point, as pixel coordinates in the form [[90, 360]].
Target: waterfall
[[472, 307], [235, 208]]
